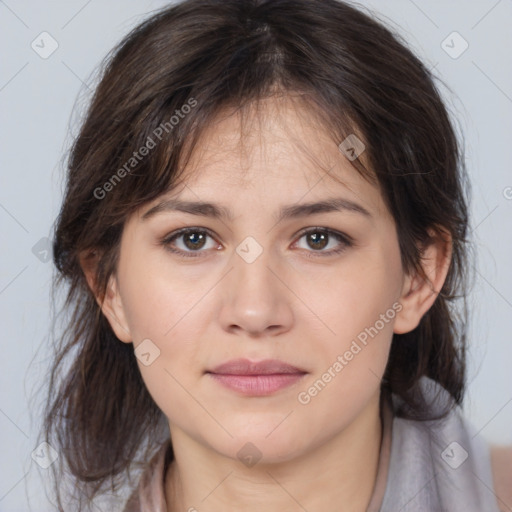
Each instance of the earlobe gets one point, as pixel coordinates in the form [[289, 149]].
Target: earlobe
[[420, 291], [112, 308], [110, 303]]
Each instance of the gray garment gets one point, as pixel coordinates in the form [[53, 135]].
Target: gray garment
[[439, 465]]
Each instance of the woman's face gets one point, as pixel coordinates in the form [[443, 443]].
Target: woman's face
[[263, 274]]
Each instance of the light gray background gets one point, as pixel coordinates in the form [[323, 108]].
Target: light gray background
[[37, 97]]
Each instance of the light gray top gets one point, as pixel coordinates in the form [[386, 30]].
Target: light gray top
[[439, 465]]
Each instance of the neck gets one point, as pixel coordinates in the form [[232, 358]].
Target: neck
[[336, 475]]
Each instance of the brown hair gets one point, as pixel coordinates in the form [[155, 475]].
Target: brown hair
[[189, 61]]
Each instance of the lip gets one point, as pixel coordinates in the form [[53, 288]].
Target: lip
[[256, 378], [247, 367]]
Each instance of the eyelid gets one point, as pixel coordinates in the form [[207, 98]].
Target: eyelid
[[323, 229]]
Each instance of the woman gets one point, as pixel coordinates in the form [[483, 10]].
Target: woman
[[264, 234]]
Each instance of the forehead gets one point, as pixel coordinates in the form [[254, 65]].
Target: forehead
[[271, 153], [270, 137]]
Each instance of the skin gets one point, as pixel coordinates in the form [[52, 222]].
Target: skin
[[291, 304]]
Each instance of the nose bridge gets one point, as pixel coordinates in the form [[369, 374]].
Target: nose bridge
[[252, 264], [255, 299]]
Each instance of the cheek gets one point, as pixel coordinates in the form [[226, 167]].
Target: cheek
[[174, 329], [362, 295], [163, 306], [350, 363], [156, 296], [359, 307]]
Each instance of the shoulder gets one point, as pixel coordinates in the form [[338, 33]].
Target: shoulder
[[501, 461], [444, 456]]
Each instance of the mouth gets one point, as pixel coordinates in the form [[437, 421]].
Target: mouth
[[261, 378]]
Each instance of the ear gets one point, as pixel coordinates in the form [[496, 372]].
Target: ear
[[109, 302], [419, 292]]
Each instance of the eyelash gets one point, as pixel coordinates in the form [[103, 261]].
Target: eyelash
[[345, 240]]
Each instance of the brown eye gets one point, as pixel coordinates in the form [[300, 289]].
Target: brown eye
[[317, 239], [194, 240], [189, 242]]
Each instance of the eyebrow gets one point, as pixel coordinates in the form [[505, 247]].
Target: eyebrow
[[207, 209]]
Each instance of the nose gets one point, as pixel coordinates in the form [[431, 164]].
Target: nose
[[255, 298]]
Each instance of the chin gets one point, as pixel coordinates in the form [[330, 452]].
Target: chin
[[255, 446]]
